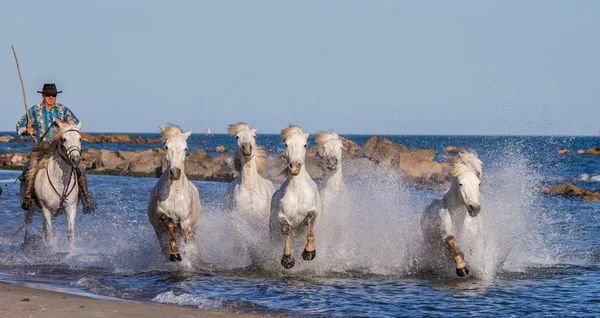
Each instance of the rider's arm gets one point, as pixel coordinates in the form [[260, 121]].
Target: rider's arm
[[22, 128], [70, 117]]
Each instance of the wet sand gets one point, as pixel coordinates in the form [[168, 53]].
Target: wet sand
[[17, 301]]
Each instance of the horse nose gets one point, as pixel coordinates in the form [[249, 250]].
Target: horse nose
[[247, 149], [295, 168], [474, 209], [75, 158], [332, 163], [175, 173]]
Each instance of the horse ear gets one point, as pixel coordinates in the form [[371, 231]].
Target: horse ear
[[187, 134], [306, 135], [78, 126], [254, 130]]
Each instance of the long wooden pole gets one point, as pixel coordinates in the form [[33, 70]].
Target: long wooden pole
[[22, 86]]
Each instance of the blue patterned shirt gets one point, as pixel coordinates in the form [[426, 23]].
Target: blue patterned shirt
[[41, 118]]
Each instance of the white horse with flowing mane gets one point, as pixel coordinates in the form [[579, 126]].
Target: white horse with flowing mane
[[297, 202], [174, 201], [55, 180], [455, 214], [249, 193], [333, 186]]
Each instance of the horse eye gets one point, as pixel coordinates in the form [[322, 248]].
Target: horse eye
[[185, 149], [166, 147], [64, 139], [286, 145], [254, 136], [460, 184], [304, 145], [479, 183], [237, 137]]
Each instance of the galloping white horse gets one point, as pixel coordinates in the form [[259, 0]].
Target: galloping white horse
[[449, 217], [333, 187], [55, 180], [297, 202], [174, 201], [250, 193]]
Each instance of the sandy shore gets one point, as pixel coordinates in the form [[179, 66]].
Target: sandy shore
[[17, 301]]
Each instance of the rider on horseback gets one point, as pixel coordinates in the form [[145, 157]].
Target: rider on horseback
[[44, 118]]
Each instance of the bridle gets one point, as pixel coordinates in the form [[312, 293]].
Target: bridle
[[66, 190]]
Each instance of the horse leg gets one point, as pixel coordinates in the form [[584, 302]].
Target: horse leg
[[71, 211], [287, 260], [174, 253], [461, 267], [188, 232], [47, 226], [310, 250]]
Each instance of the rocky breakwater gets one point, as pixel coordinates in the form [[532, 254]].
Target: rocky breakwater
[[117, 138], [416, 166], [570, 190]]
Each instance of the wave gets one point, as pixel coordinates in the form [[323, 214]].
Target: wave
[[183, 299]]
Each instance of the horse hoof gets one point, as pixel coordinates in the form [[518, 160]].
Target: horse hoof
[[288, 261], [175, 257], [462, 272], [309, 256]]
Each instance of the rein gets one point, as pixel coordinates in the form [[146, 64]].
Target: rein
[[66, 191]]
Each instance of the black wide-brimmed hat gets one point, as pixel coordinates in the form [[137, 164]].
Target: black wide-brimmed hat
[[49, 89]]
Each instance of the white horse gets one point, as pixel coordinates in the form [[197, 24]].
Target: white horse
[[297, 202], [454, 215], [333, 187], [174, 201], [55, 185], [249, 194]]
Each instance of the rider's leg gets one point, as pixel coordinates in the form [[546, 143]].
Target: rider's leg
[[89, 205], [30, 181]]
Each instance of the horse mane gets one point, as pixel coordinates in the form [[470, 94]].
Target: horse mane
[[290, 130], [324, 136], [260, 156], [234, 129], [45, 150], [466, 160], [169, 131]]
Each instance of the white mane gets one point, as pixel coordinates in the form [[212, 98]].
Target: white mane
[[289, 131], [324, 136], [234, 129], [466, 160], [169, 131]]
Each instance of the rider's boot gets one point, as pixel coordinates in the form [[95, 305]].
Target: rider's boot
[[28, 196], [89, 204]]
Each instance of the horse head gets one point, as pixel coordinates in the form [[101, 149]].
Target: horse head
[[70, 141], [295, 148], [246, 139], [332, 148], [176, 146], [466, 168]]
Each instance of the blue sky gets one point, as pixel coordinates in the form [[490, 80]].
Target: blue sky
[[373, 67]]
